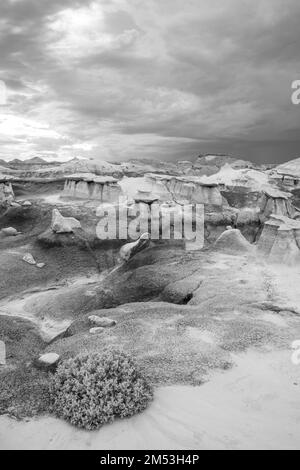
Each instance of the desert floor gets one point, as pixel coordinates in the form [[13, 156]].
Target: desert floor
[[253, 406]]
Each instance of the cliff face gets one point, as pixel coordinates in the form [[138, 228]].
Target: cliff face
[[187, 189], [103, 189], [6, 192]]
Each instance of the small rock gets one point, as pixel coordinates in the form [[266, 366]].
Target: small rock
[[91, 293], [10, 232], [2, 354], [28, 258], [95, 331], [48, 361], [40, 265], [61, 224], [102, 321]]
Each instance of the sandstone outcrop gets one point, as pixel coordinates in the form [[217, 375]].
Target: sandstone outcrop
[[131, 249], [287, 174], [2, 353], [60, 224], [233, 242], [91, 186], [280, 240], [6, 192], [276, 202], [185, 190], [9, 232], [146, 197], [181, 292], [101, 322]]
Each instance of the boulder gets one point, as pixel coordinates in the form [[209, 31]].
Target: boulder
[[40, 265], [15, 204], [96, 330], [10, 232], [232, 242], [61, 224], [28, 258], [130, 249], [181, 292], [102, 322], [26, 204], [2, 354], [47, 362]]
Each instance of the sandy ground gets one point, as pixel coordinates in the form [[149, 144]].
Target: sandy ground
[[49, 328], [253, 406]]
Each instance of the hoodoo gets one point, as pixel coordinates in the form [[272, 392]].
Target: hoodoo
[[6, 192], [187, 189], [280, 240], [89, 186]]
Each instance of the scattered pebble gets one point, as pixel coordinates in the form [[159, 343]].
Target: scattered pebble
[[95, 331], [40, 265], [103, 322]]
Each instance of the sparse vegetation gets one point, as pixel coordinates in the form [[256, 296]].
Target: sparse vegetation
[[24, 392], [91, 390]]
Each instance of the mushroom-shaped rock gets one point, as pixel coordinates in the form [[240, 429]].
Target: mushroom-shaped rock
[[48, 361], [131, 249], [29, 259], [61, 224], [102, 322], [26, 204], [146, 197], [233, 242], [2, 354]]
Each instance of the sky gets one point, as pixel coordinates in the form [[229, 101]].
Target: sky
[[156, 79]]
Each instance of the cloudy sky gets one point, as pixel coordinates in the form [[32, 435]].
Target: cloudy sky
[[164, 79]]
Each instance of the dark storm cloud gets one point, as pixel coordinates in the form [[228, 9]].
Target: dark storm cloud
[[166, 79]]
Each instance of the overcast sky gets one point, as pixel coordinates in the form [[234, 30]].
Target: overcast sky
[[165, 79]]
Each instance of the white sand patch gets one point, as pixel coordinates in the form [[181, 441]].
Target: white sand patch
[[202, 335], [275, 319], [256, 405], [253, 179]]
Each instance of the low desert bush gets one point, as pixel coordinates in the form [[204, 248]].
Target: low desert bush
[[24, 392], [91, 390]]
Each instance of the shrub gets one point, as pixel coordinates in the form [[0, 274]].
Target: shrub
[[91, 390]]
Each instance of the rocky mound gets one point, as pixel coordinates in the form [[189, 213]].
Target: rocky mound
[[233, 242], [291, 168], [21, 339]]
